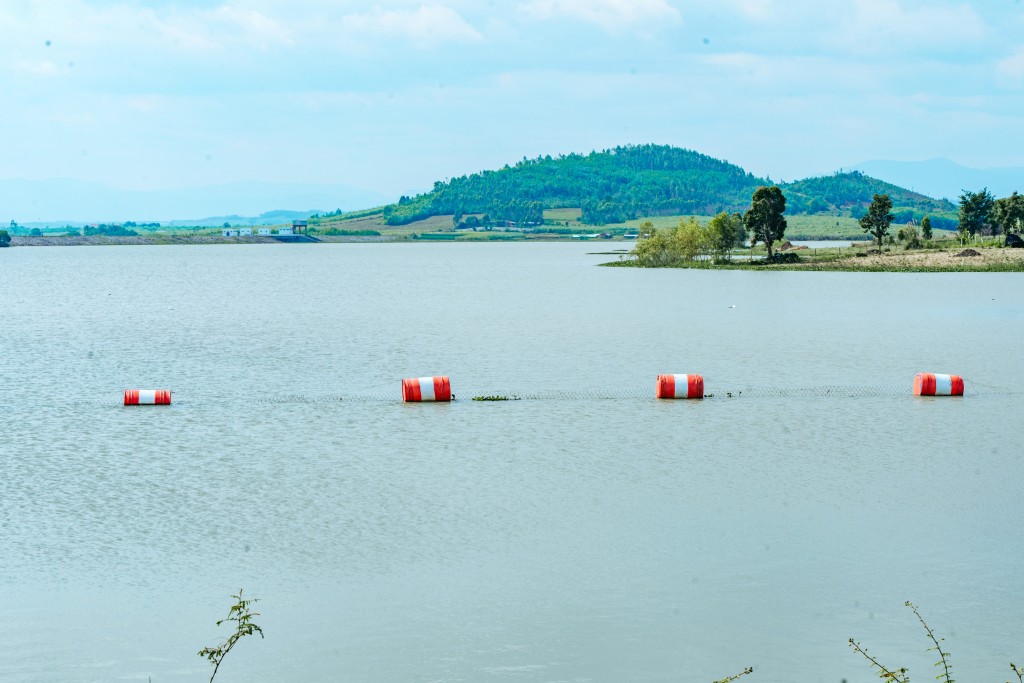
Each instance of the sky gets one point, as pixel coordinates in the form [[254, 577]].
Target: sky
[[391, 96]]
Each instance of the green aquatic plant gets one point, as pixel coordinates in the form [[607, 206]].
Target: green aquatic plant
[[947, 673], [241, 613], [900, 675], [730, 679]]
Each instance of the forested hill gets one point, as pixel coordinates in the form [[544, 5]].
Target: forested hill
[[610, 186], [629, 182], [848, 191]]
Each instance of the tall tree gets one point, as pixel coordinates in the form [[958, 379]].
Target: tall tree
[[926, 228], [977, 211], [764, 220], [878, 218], [723, 232], [692, 238], [1009, 213]]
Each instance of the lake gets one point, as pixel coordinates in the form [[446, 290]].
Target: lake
[[588, 532]]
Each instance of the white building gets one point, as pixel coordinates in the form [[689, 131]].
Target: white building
[[264, 232], [245, 232]]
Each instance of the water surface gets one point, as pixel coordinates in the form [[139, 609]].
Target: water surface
[[587, 533]]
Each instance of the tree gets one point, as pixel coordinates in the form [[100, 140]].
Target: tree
[[976, 213], [1009, 213], [909, 235], [926, 228], [655, 247], [5, 239], [723, 232], [764, 219], [35, 232], [692, 239], [689, 241], [242, 615], [877, 220]]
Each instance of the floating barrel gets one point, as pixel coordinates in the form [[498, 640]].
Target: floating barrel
[[931, 384], [426, 389], [680, 386], [147, 397]]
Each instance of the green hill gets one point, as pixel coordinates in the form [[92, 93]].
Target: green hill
[[637, 181], [610, 186], [850, 194]]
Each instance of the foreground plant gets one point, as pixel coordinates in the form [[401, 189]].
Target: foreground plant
[[242, 614], [730, 679], [900, 675]]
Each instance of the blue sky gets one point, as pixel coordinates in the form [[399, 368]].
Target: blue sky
[[390, 96]]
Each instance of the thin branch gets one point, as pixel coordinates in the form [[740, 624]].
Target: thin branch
[[899, 676], [741, 674], [947, 673]]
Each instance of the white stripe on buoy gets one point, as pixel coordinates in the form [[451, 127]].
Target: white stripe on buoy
[[682, 386], [426, 388], [943, 385]]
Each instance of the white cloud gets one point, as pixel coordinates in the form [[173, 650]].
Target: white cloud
[[755, 9], [255, 28], [609, 14], [894, 26], [427, 26], [1010, 70], [41, 68], [78, 24]]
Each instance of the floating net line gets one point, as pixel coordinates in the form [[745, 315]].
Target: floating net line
[[491, 395], [839, 391]]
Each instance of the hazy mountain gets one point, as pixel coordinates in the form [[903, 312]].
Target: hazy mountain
[[60, 199], [942, 178]]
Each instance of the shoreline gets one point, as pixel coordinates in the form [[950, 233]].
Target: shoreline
[[988, 259], [165, 239]]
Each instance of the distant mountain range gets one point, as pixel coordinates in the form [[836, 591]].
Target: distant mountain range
[[944, 178], [60, 201], [608, 186]]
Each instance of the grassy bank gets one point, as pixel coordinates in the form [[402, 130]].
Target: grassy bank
[[936, 260]]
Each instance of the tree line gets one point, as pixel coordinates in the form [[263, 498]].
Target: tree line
[[764, 222]]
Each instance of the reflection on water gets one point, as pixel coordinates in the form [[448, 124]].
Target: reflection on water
[[592, 533]]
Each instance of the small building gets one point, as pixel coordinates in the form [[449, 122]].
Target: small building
[[263, 232], [229, 232], [286, 231], [299, 227], [245, 232]]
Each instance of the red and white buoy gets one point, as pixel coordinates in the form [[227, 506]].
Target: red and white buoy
[[680, 386], [932, 384], [147, 397], [418, 389]]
